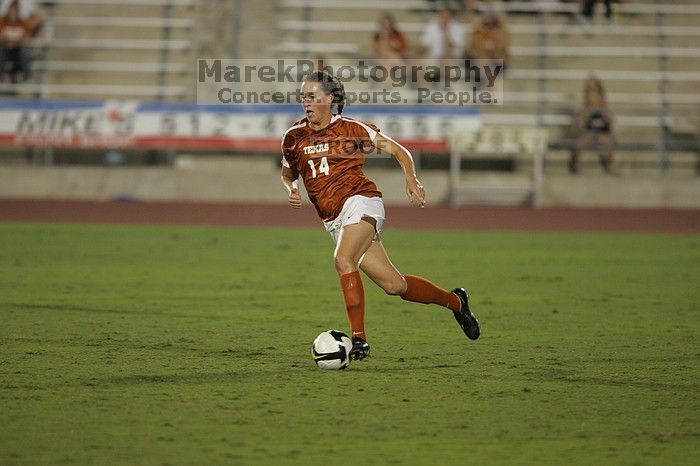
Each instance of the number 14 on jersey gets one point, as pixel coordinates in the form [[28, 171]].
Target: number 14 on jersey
[[322, 167]]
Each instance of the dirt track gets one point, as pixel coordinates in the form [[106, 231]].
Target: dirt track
[[472, 218]]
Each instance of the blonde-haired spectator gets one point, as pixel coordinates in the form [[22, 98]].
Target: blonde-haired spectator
[[594, 126]]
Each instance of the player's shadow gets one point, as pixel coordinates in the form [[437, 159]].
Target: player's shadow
[[191, 378]]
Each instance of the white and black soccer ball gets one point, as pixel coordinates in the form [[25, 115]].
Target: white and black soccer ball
[[331, 350]]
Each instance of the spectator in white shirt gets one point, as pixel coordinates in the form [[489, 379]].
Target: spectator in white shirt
[[443, 37]]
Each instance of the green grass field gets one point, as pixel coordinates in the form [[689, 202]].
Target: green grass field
[[151, 345]]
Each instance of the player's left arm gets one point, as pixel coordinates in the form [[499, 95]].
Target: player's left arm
[[414, 188]]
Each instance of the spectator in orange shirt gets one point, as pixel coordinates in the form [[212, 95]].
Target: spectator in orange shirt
[[389, 42], [28, 11], [489, 40], [390, 45], [15, 35]]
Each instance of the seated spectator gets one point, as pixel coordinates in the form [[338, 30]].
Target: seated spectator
[[390, 45], [594, 126], [489, 40], [389, 42], [443, 38], [15, 35], [27, 11]]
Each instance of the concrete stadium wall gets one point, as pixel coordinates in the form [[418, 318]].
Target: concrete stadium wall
[[663, 192], [252, 179]]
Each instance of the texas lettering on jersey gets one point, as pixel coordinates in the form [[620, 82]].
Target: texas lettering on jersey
[[316, 149], [330, 161]]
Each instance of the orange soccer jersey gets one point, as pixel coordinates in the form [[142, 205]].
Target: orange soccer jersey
[[330, 161]]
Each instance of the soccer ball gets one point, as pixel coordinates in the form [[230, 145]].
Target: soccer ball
[[331, 350]]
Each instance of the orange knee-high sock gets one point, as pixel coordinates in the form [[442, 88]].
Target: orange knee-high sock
[[354, 295], [420, 290]]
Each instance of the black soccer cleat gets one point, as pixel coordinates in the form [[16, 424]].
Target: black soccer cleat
[[464, 317], [360, 349]]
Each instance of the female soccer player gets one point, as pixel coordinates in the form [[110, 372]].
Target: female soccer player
[[327, 150]]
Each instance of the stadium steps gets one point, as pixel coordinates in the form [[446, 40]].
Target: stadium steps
[[258, 30], [493, 189], [126, 41]]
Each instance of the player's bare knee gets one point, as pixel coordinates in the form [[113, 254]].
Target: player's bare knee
[[343, 264], [391, 289], [395, 287]]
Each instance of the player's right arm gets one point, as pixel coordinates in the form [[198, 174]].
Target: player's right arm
[[290, 172], [290, 183]]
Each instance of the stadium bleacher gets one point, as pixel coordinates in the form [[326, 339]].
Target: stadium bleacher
[[648, 62], [100, 49], [146, 50]]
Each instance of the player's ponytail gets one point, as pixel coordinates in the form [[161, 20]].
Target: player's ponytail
[[331, 86], [339, 96]]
